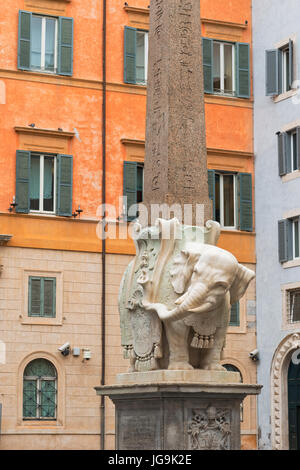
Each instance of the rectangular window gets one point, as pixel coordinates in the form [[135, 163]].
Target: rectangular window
[[235, 315], [42, 183], [223, 68], [293, 307], [225, 199], [296, 239], [280, 69], [289, 151], [44, 43], [133, 188], [135, 56], [226, 68], [41, 297]]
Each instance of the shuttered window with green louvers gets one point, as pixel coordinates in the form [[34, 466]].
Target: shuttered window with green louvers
[[133, 188], [285, 240], [56, 55], [235, 315], [27, 185], [41, 297], [220, 67], [135, 56], [39, 390], [243, 194], [289, 151], [280, 69]]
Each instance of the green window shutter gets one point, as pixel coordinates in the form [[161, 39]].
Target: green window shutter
[[49, 301], [35, 307], [285, 240], [64, 185], [282, 153], [212, 190], [235, 315], [298, 147], [65, 46], [243, 70], [129, 55], [24, 40], [22, 181], [245, 193], [207, 48], [130, 186], [30, 399], [291, 64], [272, 72]]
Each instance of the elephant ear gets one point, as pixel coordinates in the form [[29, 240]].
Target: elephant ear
[[182, 270], [240, 284]]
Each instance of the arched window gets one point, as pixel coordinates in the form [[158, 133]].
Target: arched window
[[39, 390], [232, 368]]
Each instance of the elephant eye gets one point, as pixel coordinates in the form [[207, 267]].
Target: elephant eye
[[223, 285]]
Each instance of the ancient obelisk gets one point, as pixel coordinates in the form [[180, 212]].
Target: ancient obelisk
[[168, 401], [176, 159]]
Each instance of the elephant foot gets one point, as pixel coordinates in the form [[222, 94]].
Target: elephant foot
[[180, 366], [214, 366]]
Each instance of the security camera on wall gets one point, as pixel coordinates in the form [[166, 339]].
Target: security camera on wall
[[65, 349], [254, 355]]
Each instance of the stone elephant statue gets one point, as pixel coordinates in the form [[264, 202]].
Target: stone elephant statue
[[175, 298]]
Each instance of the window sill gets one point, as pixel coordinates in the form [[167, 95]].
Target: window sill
[[291, 176], [47, 321], [291, 264], [284, 96]]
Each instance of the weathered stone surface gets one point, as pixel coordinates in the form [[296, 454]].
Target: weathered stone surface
[[176, 161], [171, 376], [178, 416]]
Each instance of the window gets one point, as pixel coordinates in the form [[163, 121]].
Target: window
[[133, 187], [289, 239], [39, 390], [45, 43], [226, 68], [293, 305], [44, 183], [289, 151], [232, 199], [235, 315], [41, 297], [135, 56], [279, 69]]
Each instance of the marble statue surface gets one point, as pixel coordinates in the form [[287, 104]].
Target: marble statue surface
[[176, 295]]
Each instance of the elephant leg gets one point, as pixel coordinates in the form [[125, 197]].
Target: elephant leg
[[177, 335], [211, 357]]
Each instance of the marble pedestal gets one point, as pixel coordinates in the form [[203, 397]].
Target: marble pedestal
[[160, 411]]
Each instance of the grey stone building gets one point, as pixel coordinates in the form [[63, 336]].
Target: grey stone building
[[276, 58]]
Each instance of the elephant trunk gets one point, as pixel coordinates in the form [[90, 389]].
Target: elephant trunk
[[191, 301]]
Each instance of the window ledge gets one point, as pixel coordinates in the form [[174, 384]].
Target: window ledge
[[284, 96], [291, 264], [291, 176]]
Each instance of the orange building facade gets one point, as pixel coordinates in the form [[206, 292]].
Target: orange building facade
[[53, 131]]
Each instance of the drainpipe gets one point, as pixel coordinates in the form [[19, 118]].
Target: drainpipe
[[103, 302]]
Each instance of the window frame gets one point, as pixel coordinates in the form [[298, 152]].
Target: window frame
[[42, 173], [43, 45], [295, 235], [285, 69], [222, 68], [39, 380], [221, 202], [42, 280], [146, 48]]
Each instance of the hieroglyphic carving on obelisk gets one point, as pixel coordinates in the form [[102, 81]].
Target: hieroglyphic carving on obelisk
[[176, 160]]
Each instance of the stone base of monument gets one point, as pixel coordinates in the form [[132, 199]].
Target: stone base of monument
[[178, 410]]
